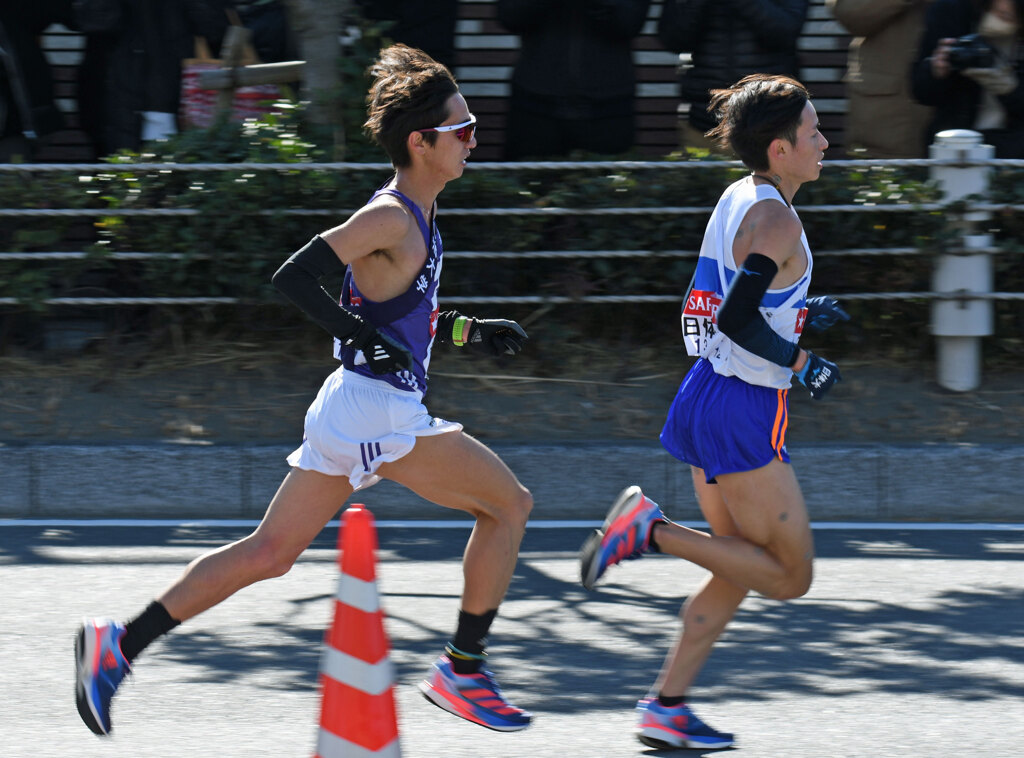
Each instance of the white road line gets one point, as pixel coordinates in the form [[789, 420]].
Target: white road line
[[546, 524]]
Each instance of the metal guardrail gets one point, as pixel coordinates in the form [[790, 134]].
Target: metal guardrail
[[481, 254], [964, 295], [654, 210], [114, 165], [961, 297], [604, 166]]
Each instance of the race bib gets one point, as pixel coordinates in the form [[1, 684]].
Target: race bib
[[698, 321]]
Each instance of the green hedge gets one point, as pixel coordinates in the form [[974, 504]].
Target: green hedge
[[231, 247]]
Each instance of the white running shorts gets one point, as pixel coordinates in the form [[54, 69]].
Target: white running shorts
[[355, 424]]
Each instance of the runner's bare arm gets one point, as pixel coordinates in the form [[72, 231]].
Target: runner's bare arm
[[377, 226], [763, 245], [299, 280], [772, 230]]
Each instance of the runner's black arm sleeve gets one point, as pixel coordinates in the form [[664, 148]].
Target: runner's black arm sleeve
[[740, 320], [298, 279]]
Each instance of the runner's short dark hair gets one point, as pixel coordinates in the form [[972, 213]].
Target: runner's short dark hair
[[756, 110], [410, 91]]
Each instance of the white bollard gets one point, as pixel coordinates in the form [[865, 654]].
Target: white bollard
[[960, 324]]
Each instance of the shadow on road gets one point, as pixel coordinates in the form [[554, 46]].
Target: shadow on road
[[602, 649]]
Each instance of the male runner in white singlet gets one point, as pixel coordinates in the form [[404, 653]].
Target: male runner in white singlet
[[368, 421], [741, 319]]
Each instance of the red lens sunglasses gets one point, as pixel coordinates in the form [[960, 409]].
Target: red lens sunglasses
[[464, 131]]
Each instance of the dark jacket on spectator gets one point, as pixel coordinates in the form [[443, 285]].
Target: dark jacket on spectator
[[27, 105], [730, 39], [132, 62], [957, 98], [425, 24], [577, 51]]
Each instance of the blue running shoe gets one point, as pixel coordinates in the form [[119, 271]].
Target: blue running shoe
[[626, 534], [474, 697], [677, 727], [99, 669]]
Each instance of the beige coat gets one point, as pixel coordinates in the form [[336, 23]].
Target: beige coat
[[883, 118]]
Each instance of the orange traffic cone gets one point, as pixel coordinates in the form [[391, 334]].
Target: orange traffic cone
[[357, 715]]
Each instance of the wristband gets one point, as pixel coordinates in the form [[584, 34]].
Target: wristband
[[460, 331]]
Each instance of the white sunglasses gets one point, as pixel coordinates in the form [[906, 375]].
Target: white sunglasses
[[464, 131]]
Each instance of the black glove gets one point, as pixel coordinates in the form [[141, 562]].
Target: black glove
[[384, 354], [496, 336], [823, 312], [818, 375]]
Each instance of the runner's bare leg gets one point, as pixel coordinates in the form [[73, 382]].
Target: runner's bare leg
[[457, 471], [304, 503]]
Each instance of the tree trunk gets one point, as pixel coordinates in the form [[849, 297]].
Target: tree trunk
[[317, 27]]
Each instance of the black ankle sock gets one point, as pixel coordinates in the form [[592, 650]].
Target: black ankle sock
[[469, 639], [153, 622], [650, 538], [671, 702]]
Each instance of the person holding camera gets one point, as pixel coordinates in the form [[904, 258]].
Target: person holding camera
[[969, 67]]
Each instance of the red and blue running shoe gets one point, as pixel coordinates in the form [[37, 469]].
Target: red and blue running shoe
[[474, 697], [677, 727], [626, 534], [99, 668]]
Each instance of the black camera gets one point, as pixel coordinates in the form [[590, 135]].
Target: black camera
[[971, 51]]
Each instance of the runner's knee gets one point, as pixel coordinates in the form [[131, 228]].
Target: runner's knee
[[270, 558], [793, 585], [521, 505], [513, 510]]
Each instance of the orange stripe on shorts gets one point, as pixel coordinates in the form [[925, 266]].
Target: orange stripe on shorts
[[781, 422]]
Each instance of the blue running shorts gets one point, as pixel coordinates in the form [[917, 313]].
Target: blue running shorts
[[724, 425]]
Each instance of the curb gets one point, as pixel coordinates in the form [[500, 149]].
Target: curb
[[850, 482]]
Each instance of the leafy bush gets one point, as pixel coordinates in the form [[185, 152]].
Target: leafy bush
[[240, 232]]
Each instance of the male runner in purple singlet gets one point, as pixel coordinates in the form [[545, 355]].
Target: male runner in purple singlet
[[368, 421]]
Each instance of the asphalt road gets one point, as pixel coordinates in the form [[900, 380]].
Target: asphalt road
[[910, 643]]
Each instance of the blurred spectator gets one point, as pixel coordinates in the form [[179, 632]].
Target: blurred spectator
[[28, 111], [886, 33], [573, 87], [129, 82], [728, 39], [974, 83], [428, 26], [271, 35]]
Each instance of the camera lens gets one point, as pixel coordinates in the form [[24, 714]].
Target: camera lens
[[971, 51]]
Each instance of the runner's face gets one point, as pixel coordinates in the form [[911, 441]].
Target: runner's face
[[805, 154], [449, 152]]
